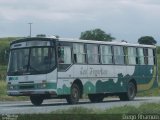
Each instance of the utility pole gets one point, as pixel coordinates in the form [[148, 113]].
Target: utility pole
[[30, 29]]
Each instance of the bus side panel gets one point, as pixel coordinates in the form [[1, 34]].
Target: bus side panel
[[64, 81], [52, 80], [106, 79], [95, 78], [114, 81], [147, 77]]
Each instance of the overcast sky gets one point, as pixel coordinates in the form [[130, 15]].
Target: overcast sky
[[123, 19]]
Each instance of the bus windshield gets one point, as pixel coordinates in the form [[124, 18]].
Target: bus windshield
[[36, 60]]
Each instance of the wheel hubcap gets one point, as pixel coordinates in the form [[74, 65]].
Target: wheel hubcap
[[75, 93], [131, 91]]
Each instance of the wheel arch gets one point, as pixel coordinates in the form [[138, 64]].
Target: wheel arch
[[134, 82], [80, 85]]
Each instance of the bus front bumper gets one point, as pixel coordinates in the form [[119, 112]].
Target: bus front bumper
[[31, 92]]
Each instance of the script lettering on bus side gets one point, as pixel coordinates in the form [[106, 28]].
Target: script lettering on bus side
[[83, 71], [91, 71]]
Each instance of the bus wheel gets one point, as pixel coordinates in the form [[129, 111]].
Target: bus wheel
[[73, 98], [96, 97], [130, 94], [36, 100]]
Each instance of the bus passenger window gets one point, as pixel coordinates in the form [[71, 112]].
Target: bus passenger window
[[106, 54], [78, 52], [118, 55], [154, 56], [146, 56], [150, 57], [64, 55], [92, 54], [140, 56], [132, 55], [126, 55]]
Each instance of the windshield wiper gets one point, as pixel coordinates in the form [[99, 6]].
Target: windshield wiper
[[30, 67], [17, 72], [35, 70]]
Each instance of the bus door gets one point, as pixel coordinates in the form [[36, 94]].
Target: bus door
[[65, 69]]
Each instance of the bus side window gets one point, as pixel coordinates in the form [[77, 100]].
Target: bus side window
[[145, 55], [64, 55], [78, 53], [60, 55], [106, 54], [118, 55], [154, 56], [132, 56], [140, 56], [126, 59], [151, 56], [92, 54]]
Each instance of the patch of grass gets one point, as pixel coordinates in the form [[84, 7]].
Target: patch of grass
[[7, 40], [3, 71], [76, 110], [3, 67], [81, 113], [68, 117], [149, 108], [146, 108], [120, 110], [152, 92], [2, 88]]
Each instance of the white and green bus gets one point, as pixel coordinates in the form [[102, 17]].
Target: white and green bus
[[44, 68]]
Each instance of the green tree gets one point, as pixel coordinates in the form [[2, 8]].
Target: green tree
[[148, 40], [4, 54], [96, 34], [4, 49]]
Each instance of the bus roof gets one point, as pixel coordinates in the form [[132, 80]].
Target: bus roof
[[104, 42], [83, 41]]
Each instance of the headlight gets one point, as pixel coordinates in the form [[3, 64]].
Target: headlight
[[42, 85], [12, 87]]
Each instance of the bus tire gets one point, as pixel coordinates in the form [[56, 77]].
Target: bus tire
[[96, 97], [130, 94], [36, 100], [74, 96]]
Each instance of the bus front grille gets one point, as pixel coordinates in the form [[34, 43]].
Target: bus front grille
[[26, 87]]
